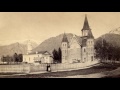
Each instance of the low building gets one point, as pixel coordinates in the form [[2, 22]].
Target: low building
[[38, 57]]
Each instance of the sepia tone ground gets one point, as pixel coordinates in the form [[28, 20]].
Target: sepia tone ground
[[101, 71]]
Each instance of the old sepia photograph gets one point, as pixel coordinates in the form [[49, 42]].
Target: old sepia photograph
[[59, 44]]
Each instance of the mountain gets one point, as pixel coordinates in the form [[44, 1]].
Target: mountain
[[52, 43], [55, 42], [33, 43], [19, 48], [112, 38]]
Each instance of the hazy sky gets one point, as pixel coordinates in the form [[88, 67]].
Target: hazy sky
[[38, 26]]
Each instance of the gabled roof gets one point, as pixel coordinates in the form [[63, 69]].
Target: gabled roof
[[40, 52], [77, 39]]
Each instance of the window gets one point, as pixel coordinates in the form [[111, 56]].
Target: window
[[84, 50], [91, 58], [65, 51]]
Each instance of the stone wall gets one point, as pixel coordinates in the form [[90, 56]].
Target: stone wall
[[27, 68], [57, 67], [14, 69], [37, 68]]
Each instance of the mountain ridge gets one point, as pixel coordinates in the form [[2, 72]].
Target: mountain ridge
[[19, 48], [52, 43]]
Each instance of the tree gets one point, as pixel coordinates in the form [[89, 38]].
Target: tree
[[106, 51], [16, 59], [2, 59], [55, 55], [8, 59], [101, 49], [20, 57], [60, 54]]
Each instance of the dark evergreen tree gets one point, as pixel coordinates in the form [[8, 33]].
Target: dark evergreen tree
[[20, 57], [60, 54], [55, 55], [16, 59]]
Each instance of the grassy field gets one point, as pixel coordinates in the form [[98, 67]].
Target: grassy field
[[92, 70]]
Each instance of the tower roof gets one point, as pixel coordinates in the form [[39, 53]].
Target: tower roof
[[64, 38], [90, 35], [86, 24]]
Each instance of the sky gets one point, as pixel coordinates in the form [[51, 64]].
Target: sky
[[39, 26]]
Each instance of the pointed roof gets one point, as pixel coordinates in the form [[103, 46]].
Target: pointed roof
[[90, 35], [86, 24], [64, 38]]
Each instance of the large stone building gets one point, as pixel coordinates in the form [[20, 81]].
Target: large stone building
[[79, 50]]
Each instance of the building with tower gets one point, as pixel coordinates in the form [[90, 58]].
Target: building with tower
[[79, 50], [36, 57]]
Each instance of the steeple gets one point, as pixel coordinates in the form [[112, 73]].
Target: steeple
[[86, 24], [29, 47], [64, 38]]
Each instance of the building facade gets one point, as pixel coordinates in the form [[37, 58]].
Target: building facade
[[37, 57], [79, 50]]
